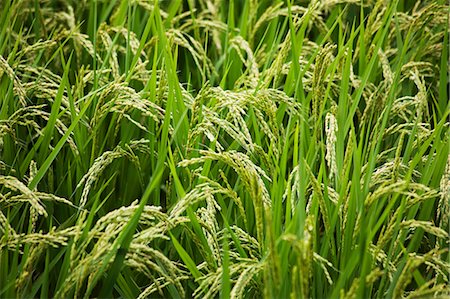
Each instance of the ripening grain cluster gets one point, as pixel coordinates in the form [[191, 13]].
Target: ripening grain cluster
[[224, 149]]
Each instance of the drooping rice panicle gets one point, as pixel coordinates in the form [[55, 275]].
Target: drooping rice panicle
[[232, 149]]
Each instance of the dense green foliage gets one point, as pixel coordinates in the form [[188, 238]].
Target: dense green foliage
[[209, 148]]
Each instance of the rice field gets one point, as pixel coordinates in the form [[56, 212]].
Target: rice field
[[224, 149]]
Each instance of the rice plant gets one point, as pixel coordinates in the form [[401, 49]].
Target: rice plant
[[232, 149]]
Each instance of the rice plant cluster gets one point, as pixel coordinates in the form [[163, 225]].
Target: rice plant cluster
[[232, 149]]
